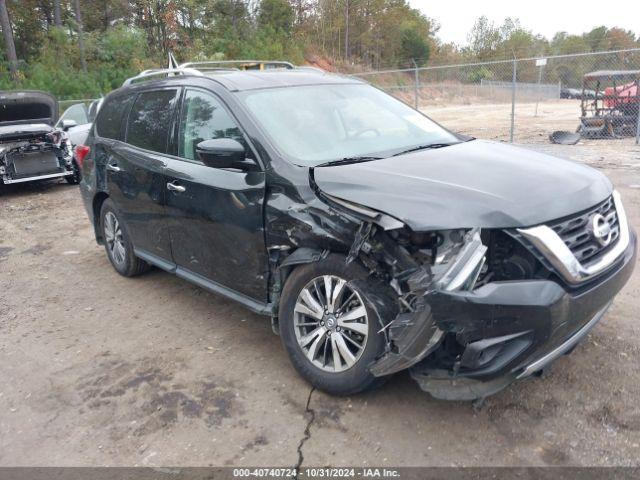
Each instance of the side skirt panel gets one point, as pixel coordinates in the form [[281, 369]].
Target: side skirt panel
[[250, 303]]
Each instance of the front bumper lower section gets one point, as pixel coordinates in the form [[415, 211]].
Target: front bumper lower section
[[511, 330]]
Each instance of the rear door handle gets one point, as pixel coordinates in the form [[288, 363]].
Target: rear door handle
[[113, 168], [176, 188]]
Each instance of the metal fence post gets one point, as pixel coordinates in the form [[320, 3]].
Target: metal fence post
[[488, 82], [513, 99], [417, 82], [638, 128], [541, 69]]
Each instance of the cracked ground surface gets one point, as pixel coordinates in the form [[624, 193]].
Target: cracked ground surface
[[97, 369]]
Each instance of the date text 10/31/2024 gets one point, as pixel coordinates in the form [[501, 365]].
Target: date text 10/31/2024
[[321, 472]]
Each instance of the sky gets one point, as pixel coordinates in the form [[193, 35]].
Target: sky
[[546, 17]]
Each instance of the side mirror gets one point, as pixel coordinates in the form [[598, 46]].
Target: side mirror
[[68, 123], [222, 153]]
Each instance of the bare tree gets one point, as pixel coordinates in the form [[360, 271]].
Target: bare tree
[[57, 13], [347, 53], [9, 45], [83, 62]]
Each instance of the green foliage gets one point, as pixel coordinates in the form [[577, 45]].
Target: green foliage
[[414, 47], [114, 55], [479, 74], [276, 16], [484, 38], [123, 37]]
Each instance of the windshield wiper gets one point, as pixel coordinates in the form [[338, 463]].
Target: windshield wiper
[[423, 147], [349, 160]]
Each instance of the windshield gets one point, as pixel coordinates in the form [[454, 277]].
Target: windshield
[[324, 123]]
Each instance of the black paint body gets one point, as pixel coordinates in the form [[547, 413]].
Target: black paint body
[[230, 230]]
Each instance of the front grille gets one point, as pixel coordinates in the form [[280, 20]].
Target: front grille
[[576, 232]]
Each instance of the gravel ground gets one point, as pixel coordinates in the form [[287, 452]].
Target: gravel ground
[[100, 370], [492, 121]]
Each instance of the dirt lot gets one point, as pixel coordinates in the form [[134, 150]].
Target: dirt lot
[[493, 121], [97, 369]]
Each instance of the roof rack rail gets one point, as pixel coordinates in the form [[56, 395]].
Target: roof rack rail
[[146, 74], [208, 66], [212, 66], [239, 65]]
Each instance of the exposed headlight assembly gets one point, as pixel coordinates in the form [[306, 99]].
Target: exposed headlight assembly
[[462, 271]]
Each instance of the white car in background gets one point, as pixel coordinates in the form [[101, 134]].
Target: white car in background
[[78, 119]]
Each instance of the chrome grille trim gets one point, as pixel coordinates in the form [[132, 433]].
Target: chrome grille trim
[[576, 233], [556, 251]]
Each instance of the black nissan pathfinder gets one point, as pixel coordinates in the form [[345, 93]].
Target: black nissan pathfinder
[[375, 239]]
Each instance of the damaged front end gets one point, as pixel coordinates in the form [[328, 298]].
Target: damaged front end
[[407, 268], [38, 157], [451, 261], [30, 147], [467, 311]]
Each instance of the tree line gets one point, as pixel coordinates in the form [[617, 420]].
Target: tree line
[[85, 48]]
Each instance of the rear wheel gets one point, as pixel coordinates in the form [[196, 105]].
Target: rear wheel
[[118, 244], [75, 178], [329, 330]]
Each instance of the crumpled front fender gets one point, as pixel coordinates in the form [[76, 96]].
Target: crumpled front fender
[[414, 335]]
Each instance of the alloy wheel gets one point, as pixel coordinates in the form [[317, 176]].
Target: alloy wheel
[[331, 323], [113, 238]]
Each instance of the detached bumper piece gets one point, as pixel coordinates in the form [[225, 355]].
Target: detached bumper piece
[[507, 331], [414, 337]]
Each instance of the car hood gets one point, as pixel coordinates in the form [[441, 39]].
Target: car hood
[[28, 107], [471, 184]]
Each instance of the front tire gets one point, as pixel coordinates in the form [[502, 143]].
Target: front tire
[[328, 327], [117, 243]]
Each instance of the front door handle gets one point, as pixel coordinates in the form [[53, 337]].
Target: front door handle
[[113, 168], [176, 188]]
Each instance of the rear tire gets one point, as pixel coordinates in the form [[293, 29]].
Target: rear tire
[[117, 242], [310, 336], [75, 178]]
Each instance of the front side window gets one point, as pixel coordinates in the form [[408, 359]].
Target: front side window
[[322, 123], [204, 118], [149, 121]]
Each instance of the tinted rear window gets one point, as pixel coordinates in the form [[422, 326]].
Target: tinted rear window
[[109, 123], [150, 120]]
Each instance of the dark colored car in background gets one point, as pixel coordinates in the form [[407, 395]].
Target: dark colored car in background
[[376, 240], [31, 148]]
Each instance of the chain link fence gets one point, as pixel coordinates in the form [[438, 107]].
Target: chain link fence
[[525, 100]]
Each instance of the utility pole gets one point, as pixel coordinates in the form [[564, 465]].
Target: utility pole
[[83, 62]]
